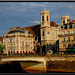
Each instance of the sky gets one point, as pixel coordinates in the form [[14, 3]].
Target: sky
[[23, 14]]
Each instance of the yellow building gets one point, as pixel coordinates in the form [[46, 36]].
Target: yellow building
[[67, 36], [18, 41]]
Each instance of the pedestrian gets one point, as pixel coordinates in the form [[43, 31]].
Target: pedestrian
[[51, 52]]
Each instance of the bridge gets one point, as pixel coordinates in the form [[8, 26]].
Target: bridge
[[38, 66]]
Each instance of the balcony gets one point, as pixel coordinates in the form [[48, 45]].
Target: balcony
[[62, 35], [68, 41]]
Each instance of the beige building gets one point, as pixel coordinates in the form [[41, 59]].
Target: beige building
[[18, 41], [67, 36]]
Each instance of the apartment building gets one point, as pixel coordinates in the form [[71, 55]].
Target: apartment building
[[67, 36], [18, 41]]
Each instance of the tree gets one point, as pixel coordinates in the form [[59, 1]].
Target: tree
[[2, 47]]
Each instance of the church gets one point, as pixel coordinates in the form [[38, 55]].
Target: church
[[46, 33]]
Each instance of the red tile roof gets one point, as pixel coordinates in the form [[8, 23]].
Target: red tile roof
[[73, 20], [1, 38], [53, 24]]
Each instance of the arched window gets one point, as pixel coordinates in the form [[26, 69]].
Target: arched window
[[42, 18], [63, 22], [47, 18], [43, 33]]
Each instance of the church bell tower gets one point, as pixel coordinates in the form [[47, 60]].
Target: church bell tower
[[45, 27]]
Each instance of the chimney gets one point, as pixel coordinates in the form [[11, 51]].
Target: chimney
[[10, 29], [18, 27], [73, 21], [68, 21], [14, 28]]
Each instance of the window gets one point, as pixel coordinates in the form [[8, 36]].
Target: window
[[69, 45], [70, 26], [43, 33], [64, 45], [68, 38], [47, 18], [74, 38], [64, 38], [63, 22], [73, 45], [17, 43], [68, 32], [10, 40], [73, 31], [42, 18], [22, 42], [64, 32], [17, 39]]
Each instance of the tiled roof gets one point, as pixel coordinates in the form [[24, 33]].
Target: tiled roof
[[1, 38], [53, 24], [35, 30], [73, 20]]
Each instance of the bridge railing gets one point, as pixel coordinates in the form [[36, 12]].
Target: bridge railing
[[14, 56]]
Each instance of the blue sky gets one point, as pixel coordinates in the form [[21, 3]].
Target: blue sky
[[23, 14]]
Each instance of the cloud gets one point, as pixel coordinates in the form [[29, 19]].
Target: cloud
[[36, 22]]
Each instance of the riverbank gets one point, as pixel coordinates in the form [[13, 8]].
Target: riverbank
[[55, 64], [61, 66]]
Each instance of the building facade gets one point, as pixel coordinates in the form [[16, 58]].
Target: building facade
[[18, 41], [67, 36], [49, 33]]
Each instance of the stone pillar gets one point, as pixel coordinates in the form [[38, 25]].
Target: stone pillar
[[45, 67]]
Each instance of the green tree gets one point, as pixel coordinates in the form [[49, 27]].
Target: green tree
[[2, 47]]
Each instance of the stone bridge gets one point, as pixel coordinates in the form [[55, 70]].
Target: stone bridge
[[20, 59]]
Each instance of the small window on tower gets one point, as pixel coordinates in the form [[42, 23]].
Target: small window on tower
[[42, 18], [47, 18], [63, 22], [43, 33]]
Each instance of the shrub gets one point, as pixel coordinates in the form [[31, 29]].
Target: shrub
[[3, 54], [28, 53], [20, 54], [9, 54]]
